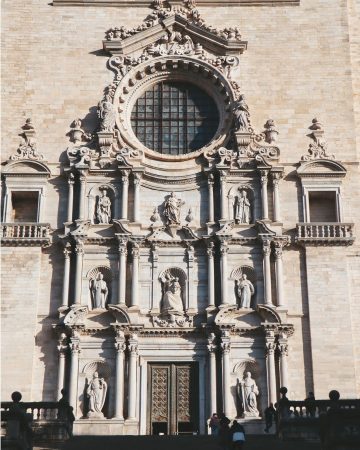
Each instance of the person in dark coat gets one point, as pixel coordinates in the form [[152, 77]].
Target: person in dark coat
[[237, 433], [224, 431], [270, 414]]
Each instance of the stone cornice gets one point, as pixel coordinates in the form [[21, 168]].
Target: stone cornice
[[145, 3]]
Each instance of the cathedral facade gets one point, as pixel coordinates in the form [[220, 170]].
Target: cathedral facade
[[178, 221]]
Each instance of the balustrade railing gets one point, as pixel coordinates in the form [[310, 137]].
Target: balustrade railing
[[25, 233], [325, 232]]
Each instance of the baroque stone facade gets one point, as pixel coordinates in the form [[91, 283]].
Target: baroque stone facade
[[159, 284]]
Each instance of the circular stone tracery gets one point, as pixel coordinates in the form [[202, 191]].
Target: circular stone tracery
[[174, 118]]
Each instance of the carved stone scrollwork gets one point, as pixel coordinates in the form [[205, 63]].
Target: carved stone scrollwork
[[210, 250], [28, 147], [80, 156], [133, 345], [318, 148], [74, 345], [120, 345], [211, 345], [264, 175]]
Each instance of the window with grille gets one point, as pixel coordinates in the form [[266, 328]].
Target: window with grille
[[175, 118]]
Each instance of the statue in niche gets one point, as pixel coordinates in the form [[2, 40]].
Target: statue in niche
[[96, 393], [241, 115], [172, 209], [103, 209], [247, 391], [99, 292], [106, 113], [242, 208], [245, 290], [172, 301]]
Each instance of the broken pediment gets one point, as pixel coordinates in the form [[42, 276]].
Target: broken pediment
[[174, 30], [321, 168]]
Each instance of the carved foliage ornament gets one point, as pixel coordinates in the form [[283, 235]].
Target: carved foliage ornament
[[28, 147], [318, 148]]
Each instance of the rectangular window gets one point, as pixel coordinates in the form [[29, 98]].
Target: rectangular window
[[323, 206], [24, 206]]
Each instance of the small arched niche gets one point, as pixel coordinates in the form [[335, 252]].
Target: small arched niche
[[102, 204], [237, 275], [99, 293], [241, 200]]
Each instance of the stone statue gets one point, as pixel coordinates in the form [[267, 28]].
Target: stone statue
[[171, 302], [242, 208], [241, 115], [96, 392], [245, 290], [247, 392], [106, 113], [103, 209], [99, 292], [172, 209]]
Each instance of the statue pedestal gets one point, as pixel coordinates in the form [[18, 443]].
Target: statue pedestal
[[94, 415], [254, 425], [98, 427]]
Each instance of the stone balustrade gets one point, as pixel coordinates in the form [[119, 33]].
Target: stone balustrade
[[28, 234], [319, 233]]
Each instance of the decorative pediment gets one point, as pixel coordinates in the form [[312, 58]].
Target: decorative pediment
[[321, 168], [239, 318], [172, 233], [26, 168], [174, 30], [268, 315], [76, 315]]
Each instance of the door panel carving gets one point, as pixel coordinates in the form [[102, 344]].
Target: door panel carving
[[172, 398]]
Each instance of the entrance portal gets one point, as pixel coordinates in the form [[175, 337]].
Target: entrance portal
[[173, 398]]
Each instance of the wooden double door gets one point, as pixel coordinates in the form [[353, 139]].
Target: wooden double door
[[173, 398]]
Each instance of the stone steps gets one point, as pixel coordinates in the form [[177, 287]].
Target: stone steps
[[179, 443]]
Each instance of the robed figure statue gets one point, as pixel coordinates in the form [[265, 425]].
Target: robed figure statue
[[172, 209], [103, 209], [248, 391], [99, 292], [96, 393], [172, 302]]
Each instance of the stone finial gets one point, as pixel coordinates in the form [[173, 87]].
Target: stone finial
[[155, 217], [76, 131], [318, 148], [190, 217], [270, 131], [27, 148]]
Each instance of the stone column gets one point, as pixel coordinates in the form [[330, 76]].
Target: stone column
[[224, 272], [135, 276], [270, 366], [211, 197], [211, 277], [66, 276], [71, 181], [61, 369], [82, 179], [137, 182], [264, 194], [79, 251], [223, 195], [122, 271], [119, 374], [267, 272], [283, 353], [225, 347], [133, 352], [125, 194], [156, 292], [279, 274], [276, 177], [212, 373], [74, 371]]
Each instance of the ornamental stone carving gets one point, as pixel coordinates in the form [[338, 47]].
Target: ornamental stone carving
[[99, 286], [242, 207], [103, 208], [248, 391], [28, 147], [174, 43], [172, 302], [106, 113], [172, 207], [318, 148], [96, 393]]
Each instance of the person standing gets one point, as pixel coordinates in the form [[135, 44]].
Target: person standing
[[269, 414], [214, 425], [237, 435], [224, 432]]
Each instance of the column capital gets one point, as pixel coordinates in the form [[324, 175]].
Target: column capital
[[74, 345], [211, 345], [82, 177], [264, 176], [223, 176], [210, 249], [266, 247], [225, 342], [276, 177], [135, 250], [67, 251], [211, 179], [62, 343], [120, 345], [122, 245], [79, 247], [71, 179], [125, 177], [137, 179], [283, 347], [133, 345], [224, 248]]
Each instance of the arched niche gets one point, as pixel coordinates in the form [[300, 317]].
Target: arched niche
[[170, 274], [104, 371], [250, 273], [93, 276], [235, 198], [94, 196]]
